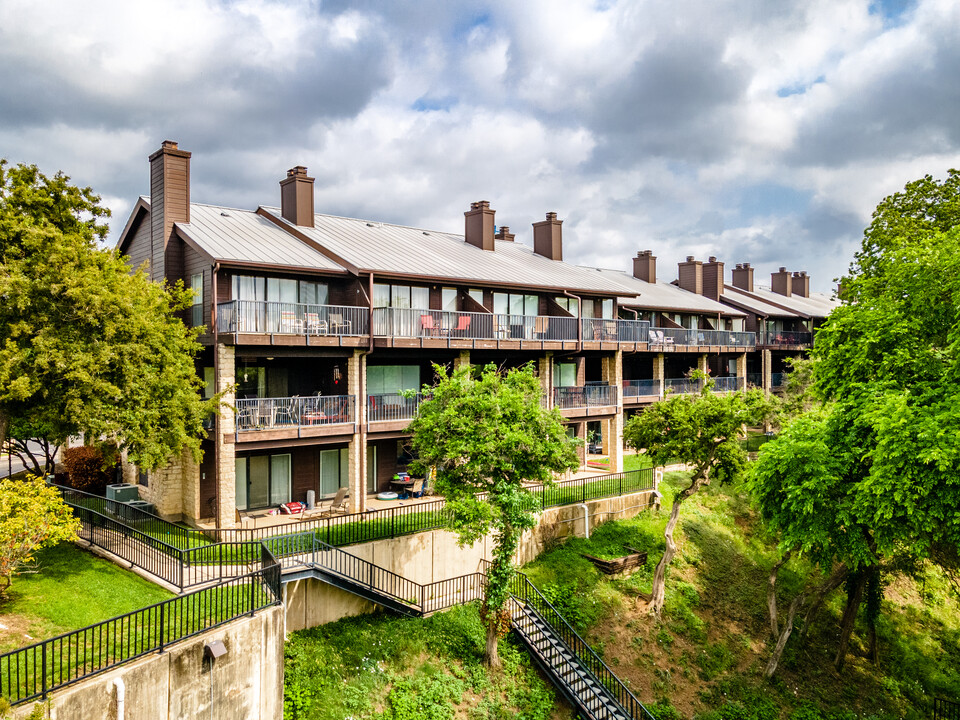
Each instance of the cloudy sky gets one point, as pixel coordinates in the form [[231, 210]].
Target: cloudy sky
[[761, 130]]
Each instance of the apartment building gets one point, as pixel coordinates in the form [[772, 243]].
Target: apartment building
[[321, 330]]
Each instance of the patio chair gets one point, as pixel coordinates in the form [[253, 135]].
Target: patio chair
[[338, 504], [417, 489], [316, 326], [428, 326], [289, 322], [338, 324], [463, 324]]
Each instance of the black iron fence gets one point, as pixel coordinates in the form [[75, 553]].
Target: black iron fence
[[587, 396], [32, 672], [287, 412], [526, 594], [945, 709]]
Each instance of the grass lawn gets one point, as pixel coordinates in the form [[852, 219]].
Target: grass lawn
[[72, 589], [380, 667]]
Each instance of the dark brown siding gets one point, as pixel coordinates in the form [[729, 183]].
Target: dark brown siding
[[156, 219], [208, 481], [306, 472], [224, 287], [386, 463], [138, 251], [193, 263]]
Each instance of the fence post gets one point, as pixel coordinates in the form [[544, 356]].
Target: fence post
[[621, 484], [43, 671], [253, 588], [393, 518], [162, 624]]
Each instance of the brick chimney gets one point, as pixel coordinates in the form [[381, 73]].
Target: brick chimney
[[548, 237], [780, 282], [800, 284], [743, 277], [691, 275], [645, 266], [296, 197], [169, 203], [713, 279], [504, 234], [479, 222]]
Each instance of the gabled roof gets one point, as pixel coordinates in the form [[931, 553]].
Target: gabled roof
[[763, 301], [397, 250], [140, 209], [662, 296], [231, 235]]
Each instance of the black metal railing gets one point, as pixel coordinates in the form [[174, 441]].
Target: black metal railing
[[586, 396], [526, 595], [598, 329], [755, 379], [256, 316], [945, 709], [682, 386], [726, 384], [354, 528], [392, 406], [667, 338], [32, 672], [641, 388], [288, 412]]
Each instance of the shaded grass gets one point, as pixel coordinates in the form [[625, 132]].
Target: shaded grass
[[381, 667]]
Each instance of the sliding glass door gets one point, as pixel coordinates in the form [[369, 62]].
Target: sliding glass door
[[263, 480]]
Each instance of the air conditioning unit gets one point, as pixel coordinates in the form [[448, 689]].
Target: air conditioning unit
[[123, 492], [141, 505]]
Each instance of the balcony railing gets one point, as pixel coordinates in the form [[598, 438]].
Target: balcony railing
[[681, 385], [392, 406], [676, 337], [787, 337], [594, 329], [588, 396], [755, 379], [726, 384], [641, 388], [255, 316], [414, 323], [279, 413]]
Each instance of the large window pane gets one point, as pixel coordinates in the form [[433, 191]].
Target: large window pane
[[564, 374], [241, 465], [279, 479], [588, 309], [607, 313], [531, 305], [476, 295], [516, 304], [448, 298], [329, 472], [259, 493], [381, 295], [501, 303], [420, 298]]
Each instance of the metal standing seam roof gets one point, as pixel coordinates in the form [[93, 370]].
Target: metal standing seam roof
[[761, 301], [243, 236], [400, 250], [663, 296]]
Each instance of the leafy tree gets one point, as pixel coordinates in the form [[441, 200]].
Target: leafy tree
[[32, 516], [487, 434], [701, 430], [871, 481], [86, 346]]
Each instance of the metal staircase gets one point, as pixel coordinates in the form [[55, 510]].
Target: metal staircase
[[575, 669]]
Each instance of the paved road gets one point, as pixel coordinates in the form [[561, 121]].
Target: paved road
[[11, 465]]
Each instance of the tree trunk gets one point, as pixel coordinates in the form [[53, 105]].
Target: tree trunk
[[658, 592], [849, 618], [831, 584], [4, 428], [784, 636], [493, 638], [772, 593]]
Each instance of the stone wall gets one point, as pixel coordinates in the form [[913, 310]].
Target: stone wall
[[246, 683], [433, 556]]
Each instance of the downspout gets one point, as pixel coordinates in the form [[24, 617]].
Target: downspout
[[121, 697], [362, 390], [218, 435], [586, 520]]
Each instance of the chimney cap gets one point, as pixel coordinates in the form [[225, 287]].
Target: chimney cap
[[783, 269], [480, 205], [169, 145], [551, 216], [297, 170], [690, 258], [712, 258]]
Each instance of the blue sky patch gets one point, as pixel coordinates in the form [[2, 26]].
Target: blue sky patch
[[432, 104], [799, 88]]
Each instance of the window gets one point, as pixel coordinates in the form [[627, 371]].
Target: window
[[401, 296], [392, 379], [476, 294], [606, 309], [263, 480], [196, 284], [258, 289], [568, 304], [448, 299], [514, 304], [334, 471], [208, 383], [564, 374], [588, 310]]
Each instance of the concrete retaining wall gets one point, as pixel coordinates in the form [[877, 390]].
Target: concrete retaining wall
[[247, 683], [433, 556]]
